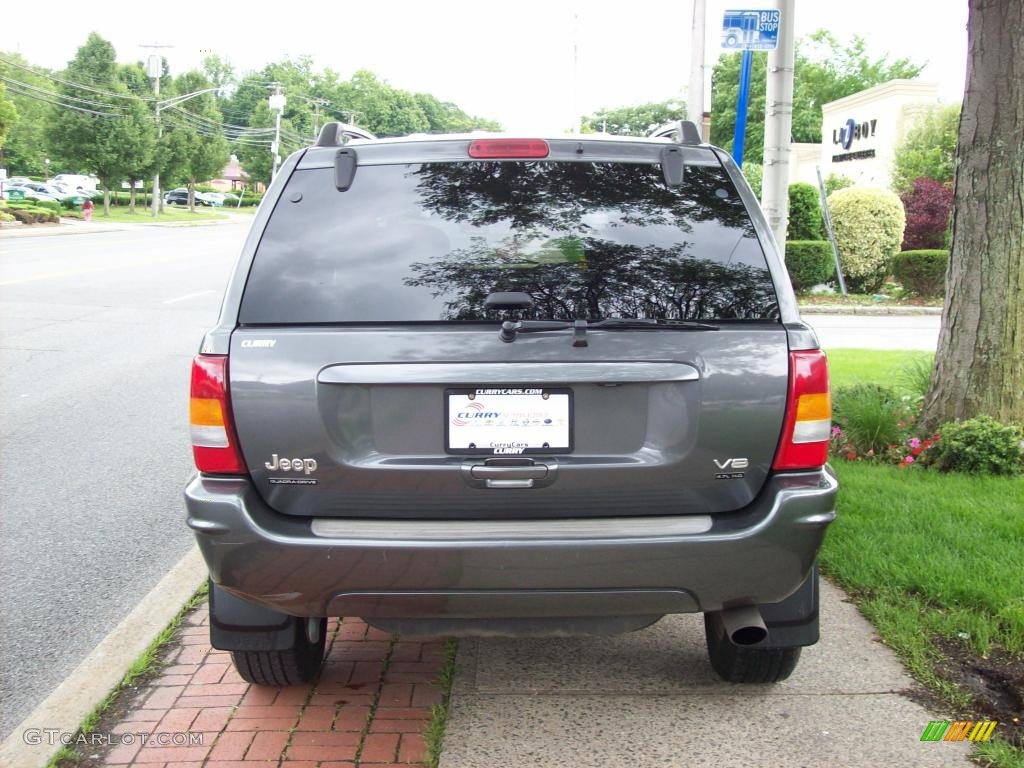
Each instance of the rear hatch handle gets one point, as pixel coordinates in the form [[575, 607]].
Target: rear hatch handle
[[509, 473]]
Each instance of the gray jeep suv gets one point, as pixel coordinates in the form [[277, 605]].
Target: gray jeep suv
[[479, 384]]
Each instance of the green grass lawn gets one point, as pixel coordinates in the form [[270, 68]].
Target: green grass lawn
[[934, 561], [121, 215], [847, 367]]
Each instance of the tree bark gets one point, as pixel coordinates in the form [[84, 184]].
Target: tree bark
[[980, 359], [131, 198], [106, 198]]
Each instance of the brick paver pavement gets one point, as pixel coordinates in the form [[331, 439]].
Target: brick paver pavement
[[369, 706]]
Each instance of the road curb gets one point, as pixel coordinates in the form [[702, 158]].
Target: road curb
[[8, 233], [846, 309], [90, 682]]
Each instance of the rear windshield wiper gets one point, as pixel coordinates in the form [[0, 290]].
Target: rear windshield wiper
[[510, 329], [652, 324]]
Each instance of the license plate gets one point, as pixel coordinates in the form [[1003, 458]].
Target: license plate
[[508, 421]]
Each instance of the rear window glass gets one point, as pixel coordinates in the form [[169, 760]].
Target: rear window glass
[[586, 240]]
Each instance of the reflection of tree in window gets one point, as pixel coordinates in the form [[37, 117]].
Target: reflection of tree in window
[[616, 280], [558, 195]]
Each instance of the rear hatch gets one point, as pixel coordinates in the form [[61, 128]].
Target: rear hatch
[[369, 379]]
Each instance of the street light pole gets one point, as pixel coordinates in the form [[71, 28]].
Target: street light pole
[[277, 102], [171, 102], [156, 168], [154, 68]]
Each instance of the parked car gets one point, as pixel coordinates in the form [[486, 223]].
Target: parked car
[[180, 197], [35, 190], [220, 198], [466, 384]]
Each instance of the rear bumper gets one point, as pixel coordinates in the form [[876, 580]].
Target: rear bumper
[[451, 569]]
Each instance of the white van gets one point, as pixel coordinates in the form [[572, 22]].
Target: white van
[[73, 182]]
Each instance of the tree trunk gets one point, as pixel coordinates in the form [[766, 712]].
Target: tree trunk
[[980, 360], [106, 199], [192, 196], [131, 198]]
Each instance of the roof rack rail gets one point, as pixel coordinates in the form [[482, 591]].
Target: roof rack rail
[[685, 131], [336, 134]]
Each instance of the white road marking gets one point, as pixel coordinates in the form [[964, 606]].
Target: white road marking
[[188, 296]]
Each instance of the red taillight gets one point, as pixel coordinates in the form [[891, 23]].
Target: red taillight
[[808, 424], [214, 444], [489, 149]]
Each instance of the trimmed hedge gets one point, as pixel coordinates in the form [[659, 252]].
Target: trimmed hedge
[[923, 273], [804, 213], [50, 205], [809, 262], [868, 225], [31, 214]]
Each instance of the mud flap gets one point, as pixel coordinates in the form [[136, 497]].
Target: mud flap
[[238, 625], [794, 621]]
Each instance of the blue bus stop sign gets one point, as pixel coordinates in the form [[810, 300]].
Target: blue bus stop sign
[[751, 30]]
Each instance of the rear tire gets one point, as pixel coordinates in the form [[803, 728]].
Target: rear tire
[[741, 664], [298, 664]]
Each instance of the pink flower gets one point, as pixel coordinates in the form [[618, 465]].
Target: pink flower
[[914, 442], [908, 460], [836, 431]]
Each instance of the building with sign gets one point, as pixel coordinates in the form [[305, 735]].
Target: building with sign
[[860, 133]]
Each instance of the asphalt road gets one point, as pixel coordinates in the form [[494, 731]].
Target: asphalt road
[[918, 332], [96, 335]]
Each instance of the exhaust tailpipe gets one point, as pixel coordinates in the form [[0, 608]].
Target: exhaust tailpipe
[[744, 625]]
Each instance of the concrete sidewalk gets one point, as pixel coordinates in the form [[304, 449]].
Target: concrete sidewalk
[[651, 698]]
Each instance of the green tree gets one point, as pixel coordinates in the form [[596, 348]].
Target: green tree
[[8, 117], [196, 142], [804, 213], [113, 135], [218, 71], [143, 163], [254, 152], [445, 117], [928, 151], [382, 109], [825, 70], [364, 99], [638, 120], [25, 149], [831, 70]]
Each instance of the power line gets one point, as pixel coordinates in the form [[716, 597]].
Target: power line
[[71, 84], [56, 95], [37, 97]]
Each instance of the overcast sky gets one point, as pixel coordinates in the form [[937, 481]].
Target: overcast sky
[[509, 61]]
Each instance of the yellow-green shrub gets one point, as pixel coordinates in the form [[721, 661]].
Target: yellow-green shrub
[[868, 225]]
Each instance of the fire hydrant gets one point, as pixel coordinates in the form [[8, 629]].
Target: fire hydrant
[[87, 207]]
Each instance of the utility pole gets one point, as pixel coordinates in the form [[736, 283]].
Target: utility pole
[[695, 90], [778, 125], [317, 103], [277, 102], [154, 68]]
